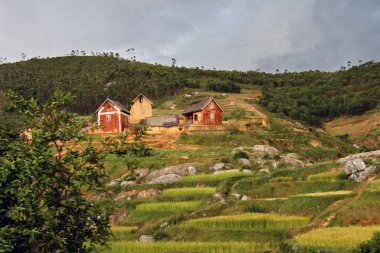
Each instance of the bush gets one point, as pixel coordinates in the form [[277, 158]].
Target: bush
[[240, 154], [372, 246], [237, 113]]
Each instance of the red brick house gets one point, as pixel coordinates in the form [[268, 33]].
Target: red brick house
[[112, 116], [204, 112]]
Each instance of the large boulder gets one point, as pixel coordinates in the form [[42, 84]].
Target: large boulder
[[363, 155], [165, 179], [354, 166], [357, 170], [266, 149], [185, 169], [146, 238]]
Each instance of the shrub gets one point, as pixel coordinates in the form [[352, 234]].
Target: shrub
[[240, 154], [372, 246], [237, 113]]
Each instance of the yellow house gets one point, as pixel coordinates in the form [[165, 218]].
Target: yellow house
[[141, 108]]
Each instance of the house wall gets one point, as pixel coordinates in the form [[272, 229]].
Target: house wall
[[113, 124], [140, 111], [204, 117]]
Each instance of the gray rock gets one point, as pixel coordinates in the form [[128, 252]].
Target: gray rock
[[275, 165], [192, 170], [113, 183], [292, 159], [245, 198], [146, 238], [364, 174], [126, 183], [165, 179], [218, 195], [236, 195], [218, 166], [354, 166], [244, 161], [142, 172], [363, 155], [264, 171], [185, 169], [266, 149], [247, 171], [226, 171]]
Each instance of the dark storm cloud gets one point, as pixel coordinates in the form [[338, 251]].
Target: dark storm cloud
[[244, 34]]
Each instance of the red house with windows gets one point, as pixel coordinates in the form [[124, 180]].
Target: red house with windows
[[204, 112], [112, 116]]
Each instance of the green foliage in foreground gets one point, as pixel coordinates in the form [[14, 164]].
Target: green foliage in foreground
[[337, 237], [371, 246], [255, 221], [169, 206], [41, 188], [187, 247]]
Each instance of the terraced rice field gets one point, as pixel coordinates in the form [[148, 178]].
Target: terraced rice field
[[331, 176], [199, 247], [169, 206], [337, 237], [323, 194], [185, 192], [254, 221], [375, 185], [121, 232], [215, 177]]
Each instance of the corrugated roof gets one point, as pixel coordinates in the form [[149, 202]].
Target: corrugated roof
[[116, 104], [162, 121], [197, 105]]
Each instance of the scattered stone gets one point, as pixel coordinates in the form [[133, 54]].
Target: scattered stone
[[165, 179], [185, 157], [165, 224], [113, 183], [126, 195], [236, 195], [184, 169], [126, 183], [226, 171], [218, 195], [118, 216], [247, 171], [223, 201], [245, 198], [363, 155], [244, 161], [146, 194], [142, 172], [292, 159], [146, 238], [266, 149], [264, 171], [126, 174], [218, 166], [275, 165], [192, 170]]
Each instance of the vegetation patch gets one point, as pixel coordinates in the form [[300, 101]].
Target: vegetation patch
[[374, 186], [248, 221], [331, 176], [122, 232], [169, 206], [337, 237], [323, 194]]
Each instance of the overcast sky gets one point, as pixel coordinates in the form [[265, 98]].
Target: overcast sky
[[225, 34]]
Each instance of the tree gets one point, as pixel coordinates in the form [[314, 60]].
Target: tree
[[174, 61], [43, 180]]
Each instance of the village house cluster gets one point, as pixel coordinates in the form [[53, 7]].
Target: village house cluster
[[112, 116]]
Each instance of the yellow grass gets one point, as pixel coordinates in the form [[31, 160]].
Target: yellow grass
[[169, 206], [189, 191], [120, 232], [375, 185], [331, 176], [337, 237], [322, 194]]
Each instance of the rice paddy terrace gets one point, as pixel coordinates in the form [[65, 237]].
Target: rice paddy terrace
[[242, 208]]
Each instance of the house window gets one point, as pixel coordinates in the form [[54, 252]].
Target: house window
[[142, 109], [108, 108], [141, 99], [212, 116], [108, 117], [195, 117], [212, 107]]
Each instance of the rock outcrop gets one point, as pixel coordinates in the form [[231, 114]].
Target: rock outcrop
[[146, 238], [171, 174], [357, 170], [363, 155], [266, 149]]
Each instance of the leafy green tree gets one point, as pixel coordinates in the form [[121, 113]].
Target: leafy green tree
[[371, 246], [43, 179]]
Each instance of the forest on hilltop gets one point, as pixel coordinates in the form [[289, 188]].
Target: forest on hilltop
[[310, 96]]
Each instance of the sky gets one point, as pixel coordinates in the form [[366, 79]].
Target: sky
[[296, 35]]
